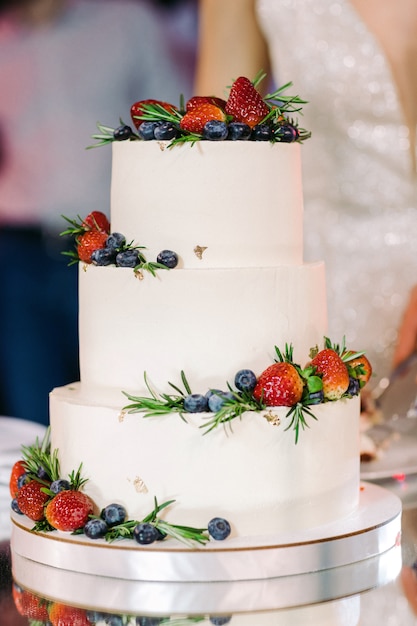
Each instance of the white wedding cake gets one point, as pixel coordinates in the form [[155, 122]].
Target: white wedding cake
[[233, 212], [211, 404]]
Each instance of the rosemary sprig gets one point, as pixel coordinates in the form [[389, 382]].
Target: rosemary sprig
[[39, 456], [186, 534], [158, 404], [232, 408], [106, 135], [297, 415]]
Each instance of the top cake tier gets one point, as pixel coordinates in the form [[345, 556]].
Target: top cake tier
[[216, 204]]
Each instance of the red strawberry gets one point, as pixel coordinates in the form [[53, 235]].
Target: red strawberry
[[88, 242], [279, 385], [31, 500], [334, 372], [96, 221], [361, 365], [195, 120], [65, 615], [137, 109], [69, 510], [17, 470], [245, 103], [29, 605], [197, 101]]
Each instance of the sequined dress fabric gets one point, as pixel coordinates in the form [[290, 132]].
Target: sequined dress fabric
[[360, 194]]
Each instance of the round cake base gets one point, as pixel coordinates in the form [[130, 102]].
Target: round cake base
[[326, 590], [373, 528]]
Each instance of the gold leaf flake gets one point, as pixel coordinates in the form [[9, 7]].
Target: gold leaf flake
[[272, 418], [198, 251], [139, 274], [122, 416], [139, 485]]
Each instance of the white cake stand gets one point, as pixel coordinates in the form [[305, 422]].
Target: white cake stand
[[373, 529], [133, 597]]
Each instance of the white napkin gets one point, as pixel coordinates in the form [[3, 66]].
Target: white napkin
[[13, 434]]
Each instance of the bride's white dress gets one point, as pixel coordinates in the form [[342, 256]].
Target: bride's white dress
[[360, 195]]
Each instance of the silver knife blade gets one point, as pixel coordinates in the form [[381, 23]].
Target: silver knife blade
[[395, 395]]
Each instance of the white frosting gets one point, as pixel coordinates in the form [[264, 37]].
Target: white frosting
[[241, 200], [207, 323], [254, 475], [209, 317]]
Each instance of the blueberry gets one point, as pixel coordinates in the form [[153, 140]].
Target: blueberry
[[315, 397], [215, 130], [220, 620], [60, 485], [95, 616], [210, 392], [114, 620], [218, 528], [103, 256], [245, 380], [115, 241], [15, 507], [165, 130], [145, 533], [113, 514], [95, 528], [261, 132], [218, 400], [354, 386], [168, 258], [238, 131], [22, 480], [148, 621], [286, 133], [195, 403], [127, 258], [42, 473], [122, 133], [146, 130], [160, 535]]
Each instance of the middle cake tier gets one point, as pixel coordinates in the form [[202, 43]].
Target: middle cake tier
[[206, 323]]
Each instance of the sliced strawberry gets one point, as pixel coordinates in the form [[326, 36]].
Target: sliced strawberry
[[245, 103], [89, 242], [18, 469], [137, 109], [195, 120], [279, 385], [65, 615], [197, 101], [69, 510], [31, 500], [96, 220], [334, 373]]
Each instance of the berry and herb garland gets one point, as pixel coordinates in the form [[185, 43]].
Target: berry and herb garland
[[94, 243], [55, 503], [334, 372], [245, 115]]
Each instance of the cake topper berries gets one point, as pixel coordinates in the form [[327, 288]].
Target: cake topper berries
[[245, 115]]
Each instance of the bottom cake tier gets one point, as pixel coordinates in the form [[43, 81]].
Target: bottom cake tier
[[251, 473]]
